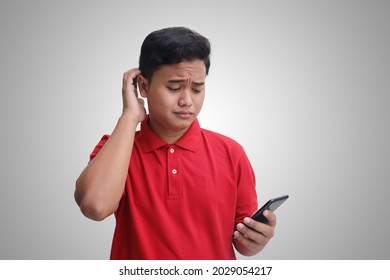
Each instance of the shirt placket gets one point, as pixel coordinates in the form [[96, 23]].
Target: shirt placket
[[175, 189]]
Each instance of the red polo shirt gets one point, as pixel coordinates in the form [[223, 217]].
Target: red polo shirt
[[182, 201]]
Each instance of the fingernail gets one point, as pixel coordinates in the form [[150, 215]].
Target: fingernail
[[266, 213], [236, 234], [247, 221], [240, 226]]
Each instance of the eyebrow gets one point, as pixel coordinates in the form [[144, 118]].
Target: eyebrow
[[183, 81]]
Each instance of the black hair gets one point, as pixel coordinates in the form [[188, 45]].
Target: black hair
[[170, 46]]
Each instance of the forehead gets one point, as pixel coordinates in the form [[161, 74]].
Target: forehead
[[194, 70]]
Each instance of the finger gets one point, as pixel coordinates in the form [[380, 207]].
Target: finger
[[133, 73], [271, 217], [252, 234], [141, 101], [130, 81], [264, 229], [130, 77], [247, 242]]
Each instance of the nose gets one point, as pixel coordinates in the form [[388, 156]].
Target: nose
[[185, 99]]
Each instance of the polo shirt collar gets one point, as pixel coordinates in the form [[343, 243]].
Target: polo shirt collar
[[149, 141]]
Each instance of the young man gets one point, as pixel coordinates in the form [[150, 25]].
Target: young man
[[177, 191]]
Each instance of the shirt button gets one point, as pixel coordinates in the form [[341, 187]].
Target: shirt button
[[174, 171], [172, 150]]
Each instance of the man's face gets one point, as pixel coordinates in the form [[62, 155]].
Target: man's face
[[175, 96]]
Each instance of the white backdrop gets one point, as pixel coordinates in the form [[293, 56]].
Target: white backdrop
[[302, 85]]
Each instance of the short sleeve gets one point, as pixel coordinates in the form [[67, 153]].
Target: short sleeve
[[246, 189], [97, 148]]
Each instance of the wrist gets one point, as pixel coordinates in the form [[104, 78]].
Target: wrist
[[129, 120], [129, 115]]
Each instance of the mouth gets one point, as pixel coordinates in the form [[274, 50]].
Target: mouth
[[184, 114]]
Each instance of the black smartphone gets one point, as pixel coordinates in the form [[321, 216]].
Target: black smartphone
[[271, 205]]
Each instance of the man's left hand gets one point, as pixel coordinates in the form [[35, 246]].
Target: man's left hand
[[252, 236]]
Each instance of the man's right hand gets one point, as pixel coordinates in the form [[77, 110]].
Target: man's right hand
[[133, 106]]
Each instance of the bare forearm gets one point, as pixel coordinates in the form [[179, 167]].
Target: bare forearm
[[100, 186]]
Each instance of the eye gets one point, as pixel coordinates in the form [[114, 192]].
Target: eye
[[196, 90], [173, 89]]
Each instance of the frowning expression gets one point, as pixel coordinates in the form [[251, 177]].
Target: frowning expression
[[175, 95]]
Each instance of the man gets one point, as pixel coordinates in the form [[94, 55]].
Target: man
[[177, 191]]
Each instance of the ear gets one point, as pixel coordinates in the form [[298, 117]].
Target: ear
[[143, 85]]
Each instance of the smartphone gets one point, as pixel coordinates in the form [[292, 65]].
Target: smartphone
[[271, 205]]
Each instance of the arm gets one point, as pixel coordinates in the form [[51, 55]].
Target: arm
[[100, 186], [250, 241]]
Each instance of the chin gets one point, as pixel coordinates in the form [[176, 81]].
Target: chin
[[181, 123]]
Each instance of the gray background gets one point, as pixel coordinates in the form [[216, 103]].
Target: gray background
[[302, 85]]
